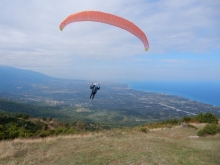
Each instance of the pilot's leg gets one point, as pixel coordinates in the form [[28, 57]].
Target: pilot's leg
[[93, 96]]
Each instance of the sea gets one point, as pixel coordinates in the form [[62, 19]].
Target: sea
[[205, 92]]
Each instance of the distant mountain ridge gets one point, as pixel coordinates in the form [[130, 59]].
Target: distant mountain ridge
[[12, 79], [15, 74]]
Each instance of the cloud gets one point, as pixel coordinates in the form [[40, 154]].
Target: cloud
[[30, 35], [172, 61], [180, 26]]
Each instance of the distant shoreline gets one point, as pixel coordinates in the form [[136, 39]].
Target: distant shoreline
[[207, 93]]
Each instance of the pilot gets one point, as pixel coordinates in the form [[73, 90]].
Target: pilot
[[94, 88]]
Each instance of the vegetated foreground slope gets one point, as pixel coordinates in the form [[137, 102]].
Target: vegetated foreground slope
[[167, 146], [171, 146]]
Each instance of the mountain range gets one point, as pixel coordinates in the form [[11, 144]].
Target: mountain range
[[13, 79]]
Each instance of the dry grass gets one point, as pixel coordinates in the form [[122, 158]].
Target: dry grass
[[164, 147]]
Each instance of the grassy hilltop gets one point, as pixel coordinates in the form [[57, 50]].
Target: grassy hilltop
[[177, 145], [167, 142]]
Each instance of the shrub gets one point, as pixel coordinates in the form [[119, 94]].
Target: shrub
[[71, 131], [80, 125], [2, 134], [186, 119], [206, 118], [25, 116], [143, 129], [60, 130], [44, 134], [171, 122], [209, 129], [18, 114], [210, 118]]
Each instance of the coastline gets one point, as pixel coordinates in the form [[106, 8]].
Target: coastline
[[207, 93]]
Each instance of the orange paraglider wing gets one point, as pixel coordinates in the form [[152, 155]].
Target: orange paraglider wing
[[102, 17]]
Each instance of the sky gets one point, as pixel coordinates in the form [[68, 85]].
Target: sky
[[184, 38]]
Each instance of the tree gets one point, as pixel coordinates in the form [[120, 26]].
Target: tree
[[80, 125]]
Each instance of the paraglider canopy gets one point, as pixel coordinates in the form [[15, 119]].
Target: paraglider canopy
[[98, 16]]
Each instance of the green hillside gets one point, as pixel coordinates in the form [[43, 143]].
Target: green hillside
[[22, 125], [33, 110]]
